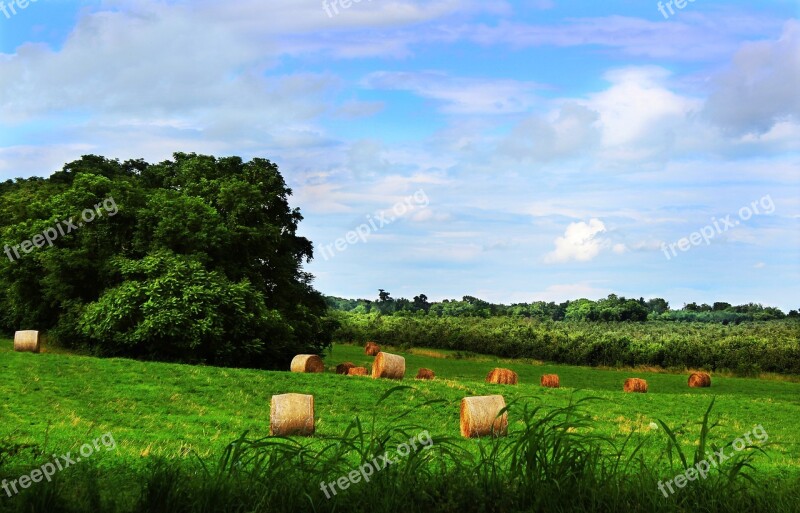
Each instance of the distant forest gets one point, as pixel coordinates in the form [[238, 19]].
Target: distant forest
[[611, 309]]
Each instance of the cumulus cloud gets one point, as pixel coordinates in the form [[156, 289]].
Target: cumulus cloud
[[639, 112], [581, 242], [761, 86]]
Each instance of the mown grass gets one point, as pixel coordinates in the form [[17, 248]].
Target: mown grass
[[174, 413]]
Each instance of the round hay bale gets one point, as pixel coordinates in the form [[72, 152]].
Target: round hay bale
[[388, 365], [699, 380], [307, 363], [502, 377], [372, 349], [635, 385], [27, 341], [342, 368], [479, 416], [357, 371], [291, 414], [425, 374], [550, 381]]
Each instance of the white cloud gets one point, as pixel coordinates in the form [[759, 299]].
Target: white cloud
[[580, 242], [638, 111], [429, 215], [461, 95]]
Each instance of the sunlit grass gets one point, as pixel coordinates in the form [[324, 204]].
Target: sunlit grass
[[184, 414]]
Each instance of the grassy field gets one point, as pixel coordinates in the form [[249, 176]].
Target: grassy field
[[173, 428], [59, 401]]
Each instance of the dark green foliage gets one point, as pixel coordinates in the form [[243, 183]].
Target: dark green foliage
[[197, 261], [169, 307], [612, 308]]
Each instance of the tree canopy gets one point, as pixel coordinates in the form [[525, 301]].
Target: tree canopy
[[192, 259]]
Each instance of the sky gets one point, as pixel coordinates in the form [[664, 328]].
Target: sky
[[512, 151]]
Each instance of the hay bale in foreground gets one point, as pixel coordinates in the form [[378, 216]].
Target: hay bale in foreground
[[342, 368], [372, 349], [27, 341], [550, 381], [388, 365], [502, 377], [425, 374], [291, 414], [357, 371], [307, 363], [700, 380], [479, 416], [635, 385]]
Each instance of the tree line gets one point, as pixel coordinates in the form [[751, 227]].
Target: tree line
[[611, 309]]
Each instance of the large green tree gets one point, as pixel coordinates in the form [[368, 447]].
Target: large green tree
[[192, 259]]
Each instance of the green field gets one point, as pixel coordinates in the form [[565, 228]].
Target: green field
[[59, 401]]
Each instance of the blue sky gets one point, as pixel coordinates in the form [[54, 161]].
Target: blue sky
[[531, 150]]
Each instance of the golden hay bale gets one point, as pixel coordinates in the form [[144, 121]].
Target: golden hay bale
[[635, 385], [342, 368], [699, 380], [550, 381], [372, 349], [27, 341], [425, 374], [388, 365], [479, 416], [291, 414], [307, 363], [502, 377], [357, 371]]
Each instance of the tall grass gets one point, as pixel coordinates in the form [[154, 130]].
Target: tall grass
[[551, 461]]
